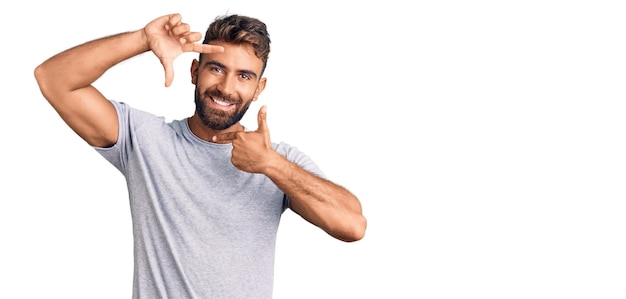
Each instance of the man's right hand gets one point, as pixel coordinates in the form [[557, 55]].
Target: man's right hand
[[66, 78], [168, 37]]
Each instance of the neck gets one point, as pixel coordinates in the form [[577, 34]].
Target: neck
[[203, 132]]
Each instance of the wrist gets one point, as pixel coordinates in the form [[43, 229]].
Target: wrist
[[144, 39], [276, 164]]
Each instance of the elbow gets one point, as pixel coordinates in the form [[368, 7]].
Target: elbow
[[50, 82], [356, 231], [40, 73], [42, 77]]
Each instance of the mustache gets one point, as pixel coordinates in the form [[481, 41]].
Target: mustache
[[214, 93]]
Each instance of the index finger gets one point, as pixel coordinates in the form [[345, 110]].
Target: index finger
[[207, 49], [230, 136]]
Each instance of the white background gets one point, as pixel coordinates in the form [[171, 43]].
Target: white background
[[485, 139]]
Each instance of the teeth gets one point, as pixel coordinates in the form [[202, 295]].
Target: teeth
[[221, 103]]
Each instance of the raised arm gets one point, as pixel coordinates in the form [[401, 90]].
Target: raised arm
[[65, 79]]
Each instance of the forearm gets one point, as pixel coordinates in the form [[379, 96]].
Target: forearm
[[80, 66], [321, 202]]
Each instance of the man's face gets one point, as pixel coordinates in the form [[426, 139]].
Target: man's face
[[226, 84]]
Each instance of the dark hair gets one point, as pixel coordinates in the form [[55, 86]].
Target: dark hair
[[238, 29]]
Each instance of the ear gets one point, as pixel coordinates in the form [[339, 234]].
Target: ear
[[259, 88], [195, 64]]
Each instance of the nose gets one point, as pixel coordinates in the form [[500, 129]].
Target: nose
[[227, 85]]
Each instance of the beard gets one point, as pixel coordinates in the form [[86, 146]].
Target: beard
[[216, 119]]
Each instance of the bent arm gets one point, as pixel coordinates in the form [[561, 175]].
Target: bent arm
[[65, 80], [321, 202]]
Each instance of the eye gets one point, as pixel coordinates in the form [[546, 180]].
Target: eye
[[245, 76], [216, 69]]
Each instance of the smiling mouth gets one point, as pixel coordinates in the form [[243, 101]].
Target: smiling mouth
[[221, 104]]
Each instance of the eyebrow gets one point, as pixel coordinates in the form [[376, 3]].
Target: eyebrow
[[220, 65]]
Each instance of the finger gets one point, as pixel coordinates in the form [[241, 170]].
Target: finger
[[230, 136], [180, 29], [169, 71], [173, 20], [262, 119], [192, 37], [205, 49]]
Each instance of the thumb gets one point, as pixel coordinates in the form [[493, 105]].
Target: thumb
[[168, 67], [262, 119]]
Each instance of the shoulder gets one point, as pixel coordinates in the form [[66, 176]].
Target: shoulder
[[286, 149], [131, 117], [297, 156], [124, 109]]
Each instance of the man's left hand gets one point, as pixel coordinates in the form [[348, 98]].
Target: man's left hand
[[252, 150]]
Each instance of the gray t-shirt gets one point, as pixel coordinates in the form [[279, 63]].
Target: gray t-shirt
[[201, 227]]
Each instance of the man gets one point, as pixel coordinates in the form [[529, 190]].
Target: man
[[206, 194]]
